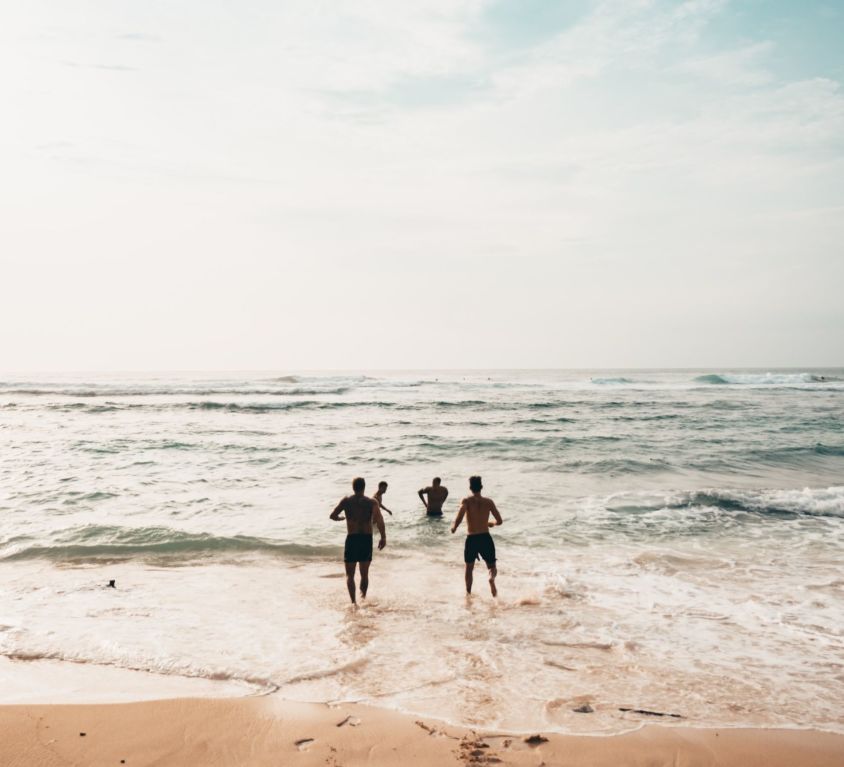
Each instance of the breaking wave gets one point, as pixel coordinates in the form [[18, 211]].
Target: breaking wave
[[814, 502], [758, 379], [93, 543]]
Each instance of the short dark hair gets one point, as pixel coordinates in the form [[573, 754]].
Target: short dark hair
[[382, 483], [475, 484], [358, 484], [437, 480]]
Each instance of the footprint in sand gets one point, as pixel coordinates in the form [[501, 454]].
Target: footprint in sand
[[474, 751], [303, 743]]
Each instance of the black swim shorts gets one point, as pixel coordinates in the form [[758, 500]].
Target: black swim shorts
[[479, 546], [358, 547]]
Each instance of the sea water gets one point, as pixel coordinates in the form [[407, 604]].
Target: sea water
[[673, 541]]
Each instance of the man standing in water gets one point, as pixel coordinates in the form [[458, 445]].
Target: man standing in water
[[437, 494], [479, 542], [379, 495], [360, 514]]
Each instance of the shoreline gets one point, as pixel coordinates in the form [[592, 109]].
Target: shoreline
[[269, 730], [45, 682]]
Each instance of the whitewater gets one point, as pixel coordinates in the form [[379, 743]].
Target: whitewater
[[673, 539]]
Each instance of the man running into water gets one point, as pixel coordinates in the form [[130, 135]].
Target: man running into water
[[382, 488], [437, 493], [479, 543], [360, 513]]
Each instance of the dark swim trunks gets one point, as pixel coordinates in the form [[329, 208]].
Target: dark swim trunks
[[358, 547], [479, 546], [434, 513]]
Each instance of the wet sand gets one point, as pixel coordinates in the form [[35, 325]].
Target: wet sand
[[270, 731]]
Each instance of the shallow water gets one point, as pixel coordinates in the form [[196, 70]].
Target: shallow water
[[673, 540]]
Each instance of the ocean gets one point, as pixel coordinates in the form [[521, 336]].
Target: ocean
[[673, 540]]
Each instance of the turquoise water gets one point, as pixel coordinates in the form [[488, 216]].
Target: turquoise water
[[672, 539]]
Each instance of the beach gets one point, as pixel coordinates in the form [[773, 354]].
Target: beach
[[669, 568], [266, 731]]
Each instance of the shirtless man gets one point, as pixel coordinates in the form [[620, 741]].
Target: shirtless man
[[360, 514], [437, 494], [382, 488], [479, 542]]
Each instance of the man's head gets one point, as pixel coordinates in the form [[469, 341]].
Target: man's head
[[437, 481], [358, 484], [475, 484], [382, 486]]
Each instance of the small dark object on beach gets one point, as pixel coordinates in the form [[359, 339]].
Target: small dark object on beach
[[650, 713], [535, 740], [81, 734], [111, 584], [584, 709]]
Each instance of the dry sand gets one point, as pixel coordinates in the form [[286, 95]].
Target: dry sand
[[270, 731]]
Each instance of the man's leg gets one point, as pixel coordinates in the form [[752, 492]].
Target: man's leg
[[350, 579], [364, 578], [493, 571], [470, 566]]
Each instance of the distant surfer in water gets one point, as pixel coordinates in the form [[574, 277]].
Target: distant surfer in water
[[360, 513], [437, 493], [479, 543], [382, 488]]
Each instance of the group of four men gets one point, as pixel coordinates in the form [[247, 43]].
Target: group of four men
[[361, 512]]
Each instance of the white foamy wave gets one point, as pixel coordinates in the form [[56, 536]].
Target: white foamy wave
[[812, 501], [160, 666], [724, 503], [764, 379]]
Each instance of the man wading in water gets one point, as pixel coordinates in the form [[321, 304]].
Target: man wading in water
[[479, 543], [437, 493], [360, 514]]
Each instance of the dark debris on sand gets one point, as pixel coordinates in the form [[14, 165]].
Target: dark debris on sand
[[535, 740], [650, 713]]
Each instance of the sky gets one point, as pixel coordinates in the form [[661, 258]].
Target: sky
[[268, 185]]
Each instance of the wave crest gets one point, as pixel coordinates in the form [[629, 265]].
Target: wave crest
[[97, 543], [762, 379]]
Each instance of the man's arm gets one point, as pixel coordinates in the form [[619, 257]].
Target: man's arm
[[459, 518], [385, 508], [494, 510], [422, 496], [379, 522], [335, 515], [445, 493]]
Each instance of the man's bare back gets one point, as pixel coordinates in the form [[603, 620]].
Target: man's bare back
[[477, 510], [360, 512]]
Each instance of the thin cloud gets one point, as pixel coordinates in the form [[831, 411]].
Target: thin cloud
[[114, 67], [140, 37]]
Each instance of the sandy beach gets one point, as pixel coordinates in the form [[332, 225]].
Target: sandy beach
[[271, 731]]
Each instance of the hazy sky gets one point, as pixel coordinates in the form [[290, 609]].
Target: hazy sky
[[439, 183]]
